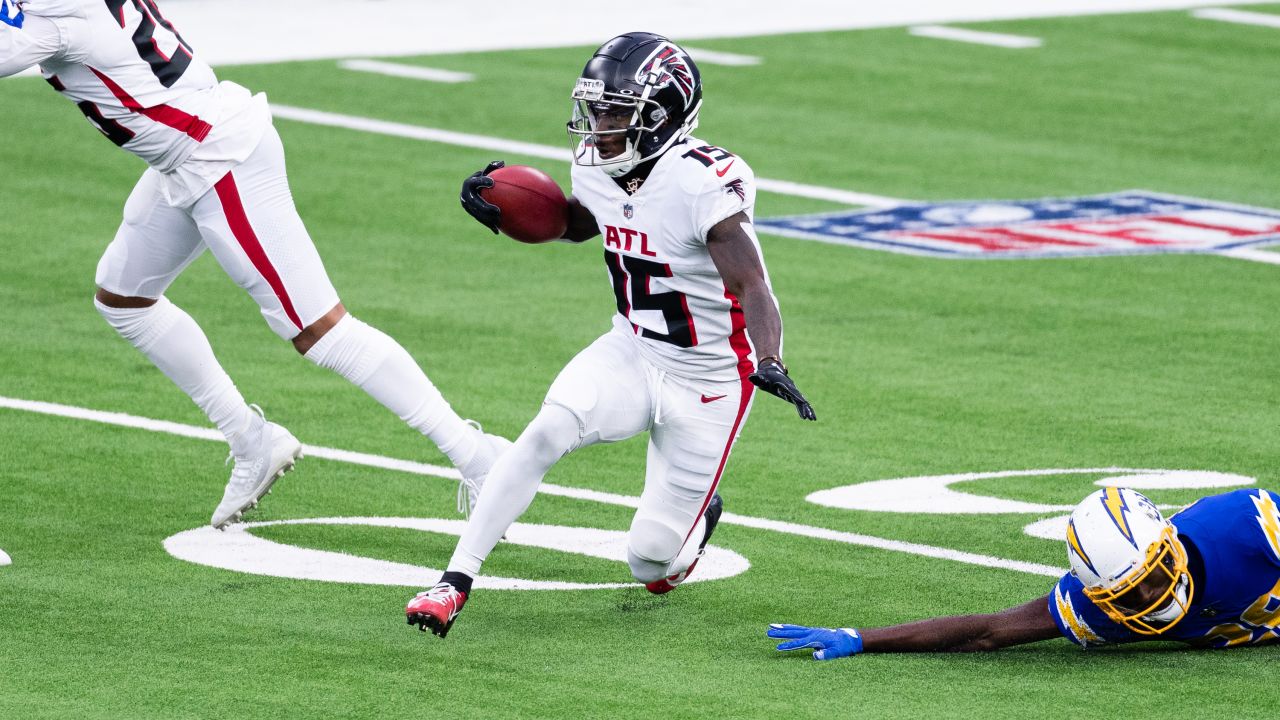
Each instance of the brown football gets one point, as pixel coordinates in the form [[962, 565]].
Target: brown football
[[534, 208]]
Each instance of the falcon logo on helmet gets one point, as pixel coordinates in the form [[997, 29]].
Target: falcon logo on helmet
[[1130, 560], [669, 65]]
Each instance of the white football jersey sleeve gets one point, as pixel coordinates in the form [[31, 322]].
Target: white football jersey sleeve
[[138, 82], [670, 296]]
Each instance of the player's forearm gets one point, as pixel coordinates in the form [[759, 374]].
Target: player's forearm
[[1028, 622], [764, 323], [15, 51], [582, 224], [25, 48], [963, 633]]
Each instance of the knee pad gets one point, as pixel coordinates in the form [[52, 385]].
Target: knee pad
[[651, 548], [141, 326]]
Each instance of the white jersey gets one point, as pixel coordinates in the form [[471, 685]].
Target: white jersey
[[141, 85], [670, 296]]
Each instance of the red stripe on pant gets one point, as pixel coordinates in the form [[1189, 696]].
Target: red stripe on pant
[[741, 348], [229, 194]]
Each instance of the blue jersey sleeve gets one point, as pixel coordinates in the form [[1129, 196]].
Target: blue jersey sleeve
[[1247, 521], [1079, 620]]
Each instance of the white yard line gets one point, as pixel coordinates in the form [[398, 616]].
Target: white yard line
[[1240, 17], [416, 468], [942, 32], [716, 57], [400, 70], [817, 192], [1253, 254], [548, 152], [417, 132]]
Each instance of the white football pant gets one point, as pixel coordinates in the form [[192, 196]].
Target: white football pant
[[249, 222], [607, 393]]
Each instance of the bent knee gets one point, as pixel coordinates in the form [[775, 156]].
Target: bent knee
[[651, 548], [122, 302], [554, 433]]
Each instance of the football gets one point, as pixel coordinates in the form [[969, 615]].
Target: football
[[534, 208]]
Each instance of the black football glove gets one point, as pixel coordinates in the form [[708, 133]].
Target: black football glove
[[477, 207], [772, 378]]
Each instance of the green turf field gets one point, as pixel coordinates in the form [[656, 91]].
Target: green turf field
[[916, 366]]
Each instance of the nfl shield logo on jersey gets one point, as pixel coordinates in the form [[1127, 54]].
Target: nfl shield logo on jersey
[[628, 211], [1125, 223]]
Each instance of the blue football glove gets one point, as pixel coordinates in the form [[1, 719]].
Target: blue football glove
[[831, 643], [15, 21]]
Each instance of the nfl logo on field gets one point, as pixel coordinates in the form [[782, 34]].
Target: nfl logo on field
[[1125, 223]]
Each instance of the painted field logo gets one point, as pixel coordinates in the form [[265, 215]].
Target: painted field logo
[[1125, 223]]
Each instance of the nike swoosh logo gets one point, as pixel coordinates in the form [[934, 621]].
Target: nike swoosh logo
[[720, 173], [706, 399]]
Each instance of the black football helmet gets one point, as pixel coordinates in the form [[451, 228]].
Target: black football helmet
[[639, 88]]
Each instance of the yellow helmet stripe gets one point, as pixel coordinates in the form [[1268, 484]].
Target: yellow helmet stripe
[[1073, 540], [1118, 509]]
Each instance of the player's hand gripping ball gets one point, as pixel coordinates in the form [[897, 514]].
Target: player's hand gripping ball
[[523, 202]]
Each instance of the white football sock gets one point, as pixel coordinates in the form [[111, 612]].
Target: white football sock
[[512, 484], [377, 364], [173, 341]]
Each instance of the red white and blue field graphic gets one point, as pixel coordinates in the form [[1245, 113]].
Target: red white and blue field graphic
[[1124, 223]]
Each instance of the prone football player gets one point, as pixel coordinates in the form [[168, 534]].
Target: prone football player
[[1209, 577]]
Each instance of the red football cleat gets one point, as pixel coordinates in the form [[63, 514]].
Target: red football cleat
[[436, 608], [667, 584]]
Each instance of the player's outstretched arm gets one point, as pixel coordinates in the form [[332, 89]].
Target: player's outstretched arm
[[25, 41], [1029, 622], [733, 249]]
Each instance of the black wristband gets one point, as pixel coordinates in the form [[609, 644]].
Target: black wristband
[[774, 359]]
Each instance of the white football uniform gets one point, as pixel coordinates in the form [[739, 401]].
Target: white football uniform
[[677, 359], [217, 175], [670, 295]]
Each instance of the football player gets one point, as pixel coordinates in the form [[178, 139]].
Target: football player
[[1209, 576], [216, 181], [696, 325]]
